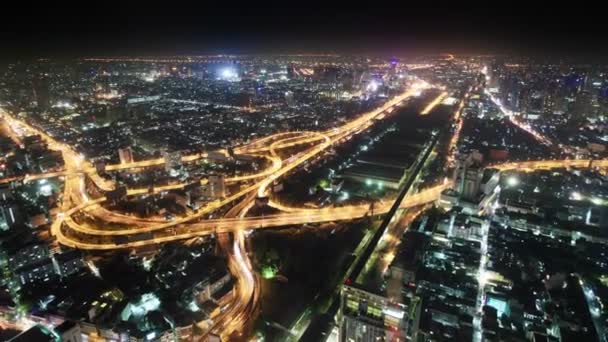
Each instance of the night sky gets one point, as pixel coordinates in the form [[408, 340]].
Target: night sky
[[510, 28]]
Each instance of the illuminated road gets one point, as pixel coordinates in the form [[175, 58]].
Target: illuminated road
[[246, 297], [235, 317], [299, 139], [257, 146], [434, 103], [246, 292], [224, 225], [177, 229], [459, 122], [523, 126], [83, 235], [75, 198], [333, 136], [386, 249], [551, 164], [8, 131], [295, 216], [513, 117]]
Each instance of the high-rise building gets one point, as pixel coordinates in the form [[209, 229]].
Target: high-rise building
[[583, 106], [468, 176], [471, 183], [41, 91], [9, 216], [365, 316], [215, 187], [172, 160], [126, 155], [289, 99], [394, 62], [69, 331]]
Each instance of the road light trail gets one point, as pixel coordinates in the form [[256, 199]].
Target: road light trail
[[8, 131], [239, 312], [459, 122], [286, 220], [434, 103], [337, 134], [245, 299], [511, 115], [307, 215], [240, 265]]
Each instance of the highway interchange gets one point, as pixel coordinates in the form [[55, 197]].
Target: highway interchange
[[70, 230], [75, 199]]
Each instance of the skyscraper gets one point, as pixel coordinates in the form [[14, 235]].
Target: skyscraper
[[468, 176], [41, 92], [9, 216], [289, 99], [126, 155], [216, 187]]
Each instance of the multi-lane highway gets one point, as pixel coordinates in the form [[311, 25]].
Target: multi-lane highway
[[75, 234], [76, 201], [434, 103], [526, 127], [71, 230], [279, 169]]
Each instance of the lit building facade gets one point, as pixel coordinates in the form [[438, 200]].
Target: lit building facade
[[365, 316]]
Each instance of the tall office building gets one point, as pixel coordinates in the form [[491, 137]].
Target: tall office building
[[394, 62], [583, 106], [468, 176], [471, 183], [126, 155], [367, 317], [289, 99], [41, 91], [10, 216], [172, 160], [216, 187]]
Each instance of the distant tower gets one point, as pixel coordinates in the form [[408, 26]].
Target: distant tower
[[126, 155], [394, 63], [291, 71], [289, 99], [41, 92]]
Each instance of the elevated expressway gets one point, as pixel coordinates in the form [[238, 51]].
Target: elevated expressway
[[75, 198], [289, 215], [156, 231], [245, 303], [325, 139], [66, 229], [87, 236]]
